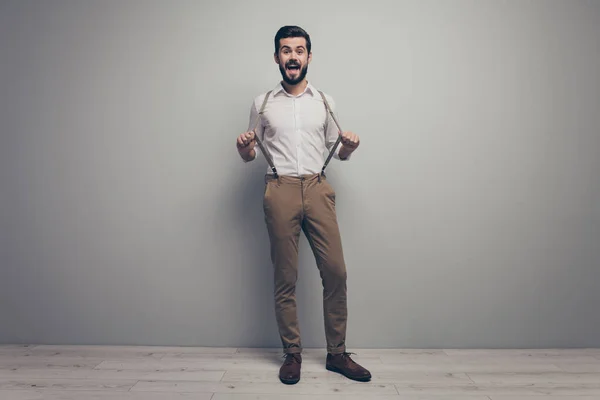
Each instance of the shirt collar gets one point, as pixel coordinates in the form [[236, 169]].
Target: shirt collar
[[310, 89]]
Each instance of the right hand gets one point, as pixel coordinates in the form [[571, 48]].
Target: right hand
[[245, 142]]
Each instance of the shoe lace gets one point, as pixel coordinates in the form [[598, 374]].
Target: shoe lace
[[346, 356]]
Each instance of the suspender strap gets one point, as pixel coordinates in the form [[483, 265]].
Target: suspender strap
[[266, 153], [262, 148], [337, 142]]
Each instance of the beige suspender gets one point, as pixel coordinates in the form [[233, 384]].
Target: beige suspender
[[268, 156], [337, 142], [262, 148]]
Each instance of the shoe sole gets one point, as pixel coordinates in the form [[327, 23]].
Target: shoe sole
[[354, 378], [289, 381]]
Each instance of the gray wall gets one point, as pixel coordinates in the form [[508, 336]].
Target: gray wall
[[470, 214]]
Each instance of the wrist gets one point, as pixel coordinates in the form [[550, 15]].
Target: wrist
[[247, 155], [345, 152]]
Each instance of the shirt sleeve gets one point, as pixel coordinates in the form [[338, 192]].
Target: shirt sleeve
[[259, 128], [332, 133]]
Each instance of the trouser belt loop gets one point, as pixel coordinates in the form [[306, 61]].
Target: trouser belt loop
[[275, 176]]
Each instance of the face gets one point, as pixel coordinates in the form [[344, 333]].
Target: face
[[293, 59]]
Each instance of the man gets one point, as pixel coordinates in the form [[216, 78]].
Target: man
[[296, 131]]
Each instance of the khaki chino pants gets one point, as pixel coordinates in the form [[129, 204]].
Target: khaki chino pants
[[306, 203]]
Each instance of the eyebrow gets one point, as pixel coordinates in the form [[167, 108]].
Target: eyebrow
[[288, 47]]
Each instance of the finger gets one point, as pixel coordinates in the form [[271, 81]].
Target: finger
[[350, 141]]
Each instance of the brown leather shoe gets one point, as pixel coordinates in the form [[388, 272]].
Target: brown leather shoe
[[346, 366], [289, 373]]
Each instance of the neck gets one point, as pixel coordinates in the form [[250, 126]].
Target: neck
[[295, 89]]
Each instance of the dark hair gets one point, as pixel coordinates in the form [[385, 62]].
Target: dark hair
[[291, 31]]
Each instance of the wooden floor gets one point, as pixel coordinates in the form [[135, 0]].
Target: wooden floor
[[173, 373]]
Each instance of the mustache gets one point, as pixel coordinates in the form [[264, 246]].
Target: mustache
[[292, 64]]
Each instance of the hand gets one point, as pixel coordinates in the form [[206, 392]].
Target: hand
[[350, 141], [245, 142]]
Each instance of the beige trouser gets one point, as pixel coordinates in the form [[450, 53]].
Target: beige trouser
[[307, 203]]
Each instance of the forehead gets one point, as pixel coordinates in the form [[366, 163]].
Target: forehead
[[293, 42]]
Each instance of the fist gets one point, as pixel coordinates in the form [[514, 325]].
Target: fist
[[350, 140], [246, 141]]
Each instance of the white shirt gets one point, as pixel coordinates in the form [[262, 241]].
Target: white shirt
[[297, 131]]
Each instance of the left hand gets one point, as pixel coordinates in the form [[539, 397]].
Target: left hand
[[350, 140]]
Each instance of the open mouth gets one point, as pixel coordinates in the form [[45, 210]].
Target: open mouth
[[293, 68]]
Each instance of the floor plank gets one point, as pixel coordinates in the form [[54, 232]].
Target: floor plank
[[513, 389], [210, 362], [11, 362], [549, 352], [108, 374], [14, 349], [66, 384], [97, 395], [550, 378], [233, 396], [266, 388], [578, 367], [327, 376], [126, 351], [549, 397]]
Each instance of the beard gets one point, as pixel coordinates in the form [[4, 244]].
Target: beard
[[293, 81]]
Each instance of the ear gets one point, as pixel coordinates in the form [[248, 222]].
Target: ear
[[276, 57], [309, 57]]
